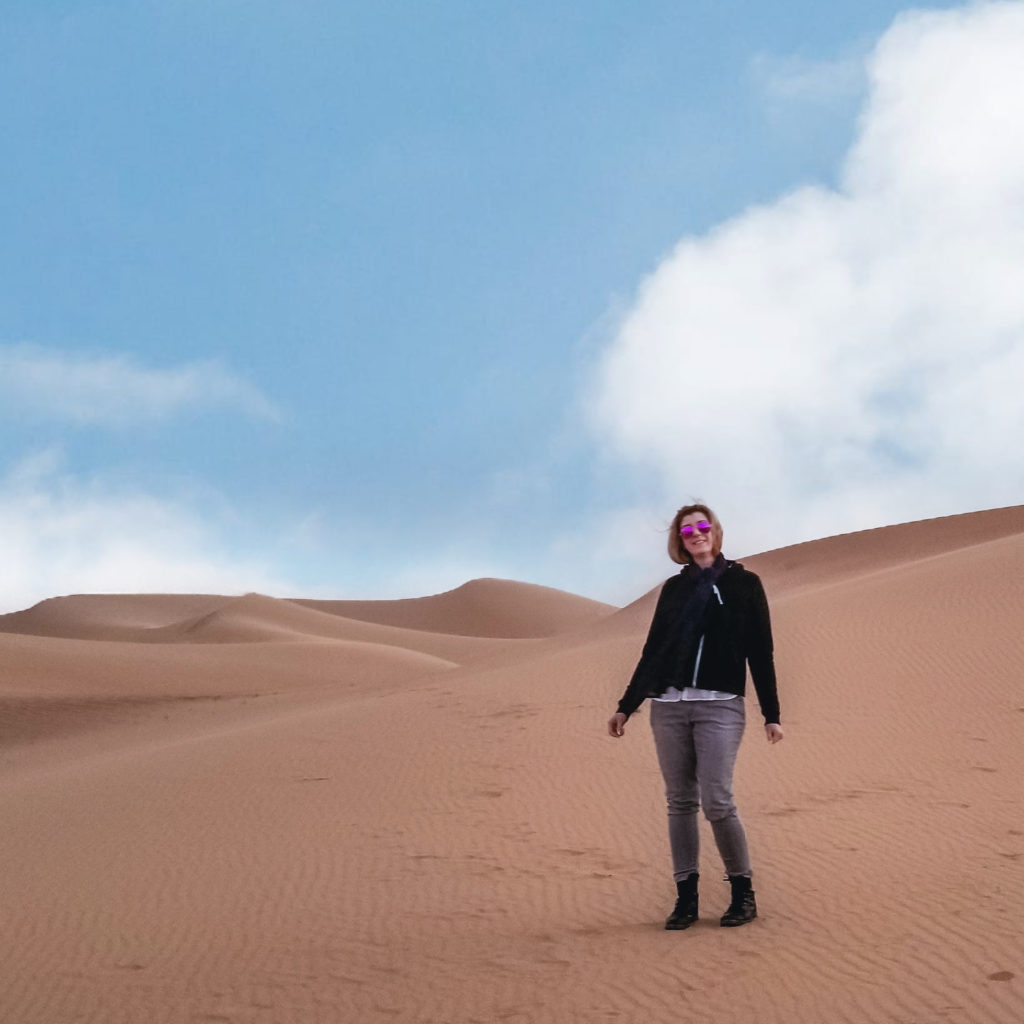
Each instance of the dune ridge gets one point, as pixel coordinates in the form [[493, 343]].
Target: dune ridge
[[284, 811], [484, 607]]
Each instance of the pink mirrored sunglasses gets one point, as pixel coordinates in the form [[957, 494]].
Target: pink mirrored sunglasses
[[688, 530]]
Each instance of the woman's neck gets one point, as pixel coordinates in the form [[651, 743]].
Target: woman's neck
[[704, 560]]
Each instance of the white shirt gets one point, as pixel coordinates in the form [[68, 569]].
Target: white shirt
[[693, 693]]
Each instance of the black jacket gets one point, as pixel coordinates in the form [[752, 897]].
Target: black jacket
[[735, 630]]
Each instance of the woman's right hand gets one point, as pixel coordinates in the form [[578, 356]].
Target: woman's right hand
[[617, 724]]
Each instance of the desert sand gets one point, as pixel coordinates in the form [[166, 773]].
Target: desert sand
[[245, 809]]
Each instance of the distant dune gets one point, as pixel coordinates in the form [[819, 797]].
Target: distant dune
[[492, 608], [224, 808]]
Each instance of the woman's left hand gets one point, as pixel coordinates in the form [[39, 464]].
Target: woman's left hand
[[773, 731]]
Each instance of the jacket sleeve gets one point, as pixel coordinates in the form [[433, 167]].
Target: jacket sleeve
[[638, 686], [760, 653]]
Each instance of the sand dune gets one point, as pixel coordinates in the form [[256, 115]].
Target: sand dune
[[492, 608], [108, 616], [244, 809], [837, 559]]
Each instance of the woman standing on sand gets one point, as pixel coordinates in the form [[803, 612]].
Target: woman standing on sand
[[710, 621]]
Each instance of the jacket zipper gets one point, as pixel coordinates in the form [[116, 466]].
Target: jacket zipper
[[700, 646]]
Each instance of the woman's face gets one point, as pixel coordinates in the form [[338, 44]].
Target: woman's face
[[697, 542]]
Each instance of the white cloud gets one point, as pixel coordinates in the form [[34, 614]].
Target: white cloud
[[846, 358], [111, 390], [61, 535], [789, 80]]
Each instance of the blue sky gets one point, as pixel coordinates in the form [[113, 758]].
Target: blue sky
[[333, 298]]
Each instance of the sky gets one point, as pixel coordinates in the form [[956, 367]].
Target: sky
[[370, 299]]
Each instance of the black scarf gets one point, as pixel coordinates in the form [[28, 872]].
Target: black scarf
[[692, 615]]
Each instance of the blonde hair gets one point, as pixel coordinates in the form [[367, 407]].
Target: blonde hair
[[676, 549]]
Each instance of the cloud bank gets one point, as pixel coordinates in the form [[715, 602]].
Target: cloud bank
[[112, 391], [848, 358], [60, 534]]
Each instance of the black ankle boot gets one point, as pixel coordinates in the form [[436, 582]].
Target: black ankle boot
[[743, 908], [685, 912]]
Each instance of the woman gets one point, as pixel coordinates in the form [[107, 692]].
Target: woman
[[711, 620]]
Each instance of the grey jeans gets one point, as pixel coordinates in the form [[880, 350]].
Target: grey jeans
[[697, 742]]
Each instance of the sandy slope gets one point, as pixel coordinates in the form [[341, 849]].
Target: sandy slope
[[245, 809]]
